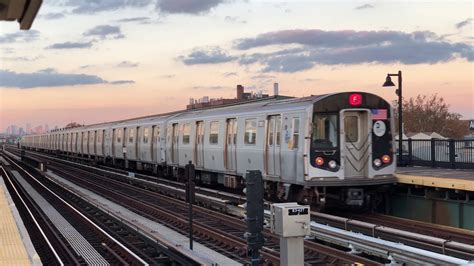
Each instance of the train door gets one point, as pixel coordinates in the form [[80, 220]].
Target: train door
[[231, 141], [137, 145], [174, 143], [102, 139], [199, 144], [114, 139], [356, 143], [154, 144], [273, 145]]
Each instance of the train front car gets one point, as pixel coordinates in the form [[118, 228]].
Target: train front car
[[351, 148]]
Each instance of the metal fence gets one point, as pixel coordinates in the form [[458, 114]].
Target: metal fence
[[445, 153]]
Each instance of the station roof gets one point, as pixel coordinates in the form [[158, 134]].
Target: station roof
[[23, 11]]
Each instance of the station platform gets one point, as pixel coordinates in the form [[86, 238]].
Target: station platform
[[16, 247], [460, 179]]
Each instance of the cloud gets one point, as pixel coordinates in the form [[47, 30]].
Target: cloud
[[104, 32], [120, 82], [169, 76], [210, 87], [366, 6], [20, 58], [51, 16], [463, 23], [49, 78], [210, 55], [229, 74], [234, 20], [127, 64], [263, 76], [92, 7], [20, 36], [187, 6], [71, 45], [135, 19], [318, 47]]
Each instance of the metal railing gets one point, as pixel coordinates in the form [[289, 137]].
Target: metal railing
[[444, 153]]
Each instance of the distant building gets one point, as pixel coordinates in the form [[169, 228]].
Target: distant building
[[241, 97], [421, 136]]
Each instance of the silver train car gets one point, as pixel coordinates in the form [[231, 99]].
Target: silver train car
[[319, 149]]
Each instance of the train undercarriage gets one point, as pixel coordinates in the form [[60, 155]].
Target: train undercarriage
[[320, 198]]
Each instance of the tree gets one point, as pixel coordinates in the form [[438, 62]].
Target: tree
[[431, 114]]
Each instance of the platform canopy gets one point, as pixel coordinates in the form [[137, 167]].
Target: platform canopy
[[23, 11]]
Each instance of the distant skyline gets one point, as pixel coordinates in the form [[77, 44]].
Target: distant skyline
[[98, 61]]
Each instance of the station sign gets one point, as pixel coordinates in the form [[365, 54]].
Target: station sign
[[471, 125]]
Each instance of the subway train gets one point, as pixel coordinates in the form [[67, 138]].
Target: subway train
[[321, 150]]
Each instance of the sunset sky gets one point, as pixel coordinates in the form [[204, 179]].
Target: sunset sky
[[96, 61]]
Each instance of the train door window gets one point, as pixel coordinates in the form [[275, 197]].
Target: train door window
[[250, 131], [325, 131], [145, 135], [214, 133], [131, 135], [278, 130], [295, 126], [99, 136], [119, 136], [271, 126], [156, 132], [186, 133], [351, 128]]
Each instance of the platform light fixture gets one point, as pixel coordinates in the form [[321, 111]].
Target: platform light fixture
[[389, 83]]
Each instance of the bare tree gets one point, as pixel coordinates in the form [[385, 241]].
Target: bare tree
[[431, 114]]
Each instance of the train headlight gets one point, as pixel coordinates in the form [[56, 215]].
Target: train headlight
[[332, 164], [377, 162], [386, 159], [319, 161]]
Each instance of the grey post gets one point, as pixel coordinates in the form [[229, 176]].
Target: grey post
[[292, 223]]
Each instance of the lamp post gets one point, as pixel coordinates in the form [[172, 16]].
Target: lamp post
[[389, 83]]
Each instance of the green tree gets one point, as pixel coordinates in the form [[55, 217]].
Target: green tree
[[431, 114]]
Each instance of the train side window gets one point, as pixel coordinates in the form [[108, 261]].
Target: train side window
[[186, 133], [295, 126], [250, 131], [214, 133], [145, 135], [119, 136]]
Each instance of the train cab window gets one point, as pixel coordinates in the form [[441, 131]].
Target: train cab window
[[145, 135], [250, 136], [325, 131], [295, 128], [214, 133], [351, 127], [186, 133], [131, 135]]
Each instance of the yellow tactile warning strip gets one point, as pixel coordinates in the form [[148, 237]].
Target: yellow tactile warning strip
[[12, 249], [441, 182]]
